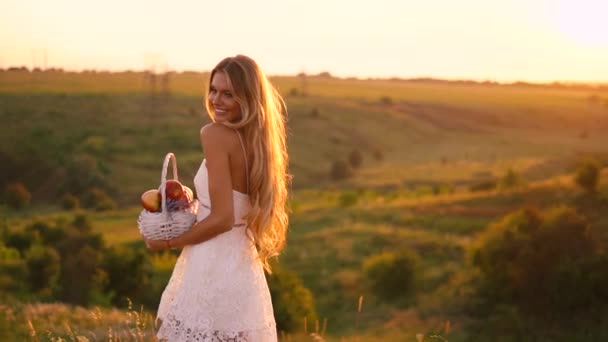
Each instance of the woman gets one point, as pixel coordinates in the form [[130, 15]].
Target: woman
[[218, 291]]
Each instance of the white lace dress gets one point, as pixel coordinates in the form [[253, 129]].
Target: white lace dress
[[218, 290]]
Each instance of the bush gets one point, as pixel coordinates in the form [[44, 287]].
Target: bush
[[348, 198], [17, 195], [486, 185], [340, 170], [355, 158], [378, 154], [386, 100], [99, 200], [544, 263], [391, 275], [70, 202], [129, 272], [510, 180], [587, 175], [291, 301], [84, 172], [12, 271], [43, 269]]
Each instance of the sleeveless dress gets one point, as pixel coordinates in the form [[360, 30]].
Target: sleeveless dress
[[218, 290]]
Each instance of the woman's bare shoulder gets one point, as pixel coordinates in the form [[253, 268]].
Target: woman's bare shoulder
[[216, 133]]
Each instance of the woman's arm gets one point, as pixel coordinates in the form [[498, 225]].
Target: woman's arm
[[216, 141]]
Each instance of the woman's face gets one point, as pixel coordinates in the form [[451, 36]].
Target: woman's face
[[221, 99]]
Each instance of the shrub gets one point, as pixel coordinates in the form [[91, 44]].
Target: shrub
[[99, 200], [70, 202], [314, 113], [386, 100], [485, 185], [84, 172], [43, 269], [340, 170], [129, 272], [291, 301], [355, 158], [378, 154], [510, 180], [587, 175], [391, 275], [348, 198], [17, 195], [542, 262], [12, 270]]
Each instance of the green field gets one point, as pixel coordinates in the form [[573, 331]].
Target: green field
[[424, 145]]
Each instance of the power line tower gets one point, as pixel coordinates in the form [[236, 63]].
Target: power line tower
[[303, 83], [157, 85]]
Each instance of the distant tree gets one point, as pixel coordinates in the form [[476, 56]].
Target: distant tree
[[129, 272], [510, 179], [340, 170], [81, 252], [291, 300], [17, 195], [348, 198], [531, 259], [98, 199], [78, 271], [355, 158], [43, 269], [485, 185], [70, 202], [587, 175], [12, 271], [83, 173], [391, 275], [386, 100], [378, 154]]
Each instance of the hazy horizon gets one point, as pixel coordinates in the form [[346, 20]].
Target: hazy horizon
[[538, 42]]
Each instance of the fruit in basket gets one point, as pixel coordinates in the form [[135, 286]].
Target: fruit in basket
[[151, 200], [188, 193], [182, 203], [174, 190]]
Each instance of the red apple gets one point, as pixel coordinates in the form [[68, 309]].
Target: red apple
[[184, 202], [151, 200], [174, 189]]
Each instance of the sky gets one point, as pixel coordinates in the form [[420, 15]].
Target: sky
[[499, 40]]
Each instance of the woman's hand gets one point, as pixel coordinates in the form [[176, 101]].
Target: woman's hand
[[157, 245]]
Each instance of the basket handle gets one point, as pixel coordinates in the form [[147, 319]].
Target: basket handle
[[163, 179]]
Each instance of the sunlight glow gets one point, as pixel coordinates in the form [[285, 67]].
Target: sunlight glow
[[539, 40], [584, 21]]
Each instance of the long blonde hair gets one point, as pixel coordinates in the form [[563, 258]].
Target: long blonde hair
[[263, 126]]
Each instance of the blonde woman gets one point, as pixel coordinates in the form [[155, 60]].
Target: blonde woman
[[218, 291]]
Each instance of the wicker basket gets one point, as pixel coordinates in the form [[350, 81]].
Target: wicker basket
[[167, 224]]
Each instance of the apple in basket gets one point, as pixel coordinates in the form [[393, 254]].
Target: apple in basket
[[151, 200], [174, 190], [178, 196]]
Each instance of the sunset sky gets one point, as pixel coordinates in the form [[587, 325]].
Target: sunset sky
[[506, 40]]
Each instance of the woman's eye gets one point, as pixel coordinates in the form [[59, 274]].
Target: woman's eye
[[228, 94]]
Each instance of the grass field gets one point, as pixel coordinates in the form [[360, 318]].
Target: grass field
[[436, 140]]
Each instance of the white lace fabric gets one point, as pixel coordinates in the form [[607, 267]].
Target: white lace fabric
[[218, 290]]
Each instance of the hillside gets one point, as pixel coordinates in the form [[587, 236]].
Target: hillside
[[57, 119], [441, 162]]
